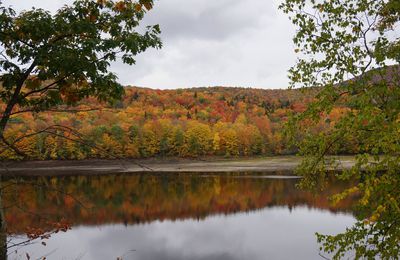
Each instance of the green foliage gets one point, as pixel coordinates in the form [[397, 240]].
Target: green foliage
[[347, 47], [117, 132]]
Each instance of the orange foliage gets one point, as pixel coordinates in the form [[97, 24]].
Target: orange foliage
[[183, 122]]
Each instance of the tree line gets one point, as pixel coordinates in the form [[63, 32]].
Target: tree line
[[185, 122]]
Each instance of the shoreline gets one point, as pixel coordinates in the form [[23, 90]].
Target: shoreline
[[157, 165]]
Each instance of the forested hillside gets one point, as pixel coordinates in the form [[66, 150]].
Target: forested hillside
[[185, 122]]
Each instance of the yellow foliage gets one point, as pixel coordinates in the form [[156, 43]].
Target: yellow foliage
[[216, 142], [110, 147], [198, 139], [231, 142]]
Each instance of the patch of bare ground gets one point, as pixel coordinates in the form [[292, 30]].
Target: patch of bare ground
[[160, 165]]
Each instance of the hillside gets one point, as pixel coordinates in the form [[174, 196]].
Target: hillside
[[193, 122]]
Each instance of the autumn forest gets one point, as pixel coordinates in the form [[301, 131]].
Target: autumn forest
[[193, 122]]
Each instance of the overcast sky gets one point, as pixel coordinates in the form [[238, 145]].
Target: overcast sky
[[243, 43]]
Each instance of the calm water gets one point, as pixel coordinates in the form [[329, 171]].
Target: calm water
[[173, 216]]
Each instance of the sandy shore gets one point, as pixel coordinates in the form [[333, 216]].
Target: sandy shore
[[167, 165]]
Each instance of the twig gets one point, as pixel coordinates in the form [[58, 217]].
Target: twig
[[324, 257]]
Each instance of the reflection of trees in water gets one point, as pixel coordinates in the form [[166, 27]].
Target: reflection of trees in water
[[3, 227], [147, 197]]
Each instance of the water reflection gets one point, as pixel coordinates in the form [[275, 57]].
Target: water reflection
[[182, 216]]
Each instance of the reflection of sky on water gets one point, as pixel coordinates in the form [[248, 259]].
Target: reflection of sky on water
[[270, 233]]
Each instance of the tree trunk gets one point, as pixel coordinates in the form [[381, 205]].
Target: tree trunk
[[15, 98], [3, 124], [5, 117]]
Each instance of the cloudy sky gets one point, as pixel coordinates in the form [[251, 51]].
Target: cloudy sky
[[243, 43]]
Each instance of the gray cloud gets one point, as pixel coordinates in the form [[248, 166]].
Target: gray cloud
[[214, 20], [227, 42]]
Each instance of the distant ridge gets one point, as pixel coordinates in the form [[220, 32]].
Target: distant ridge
[[389, 75]]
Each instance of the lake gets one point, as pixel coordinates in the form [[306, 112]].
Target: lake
[[173, 216]]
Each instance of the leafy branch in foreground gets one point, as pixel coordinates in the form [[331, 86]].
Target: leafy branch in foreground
[[350, 49], [51, 59]]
